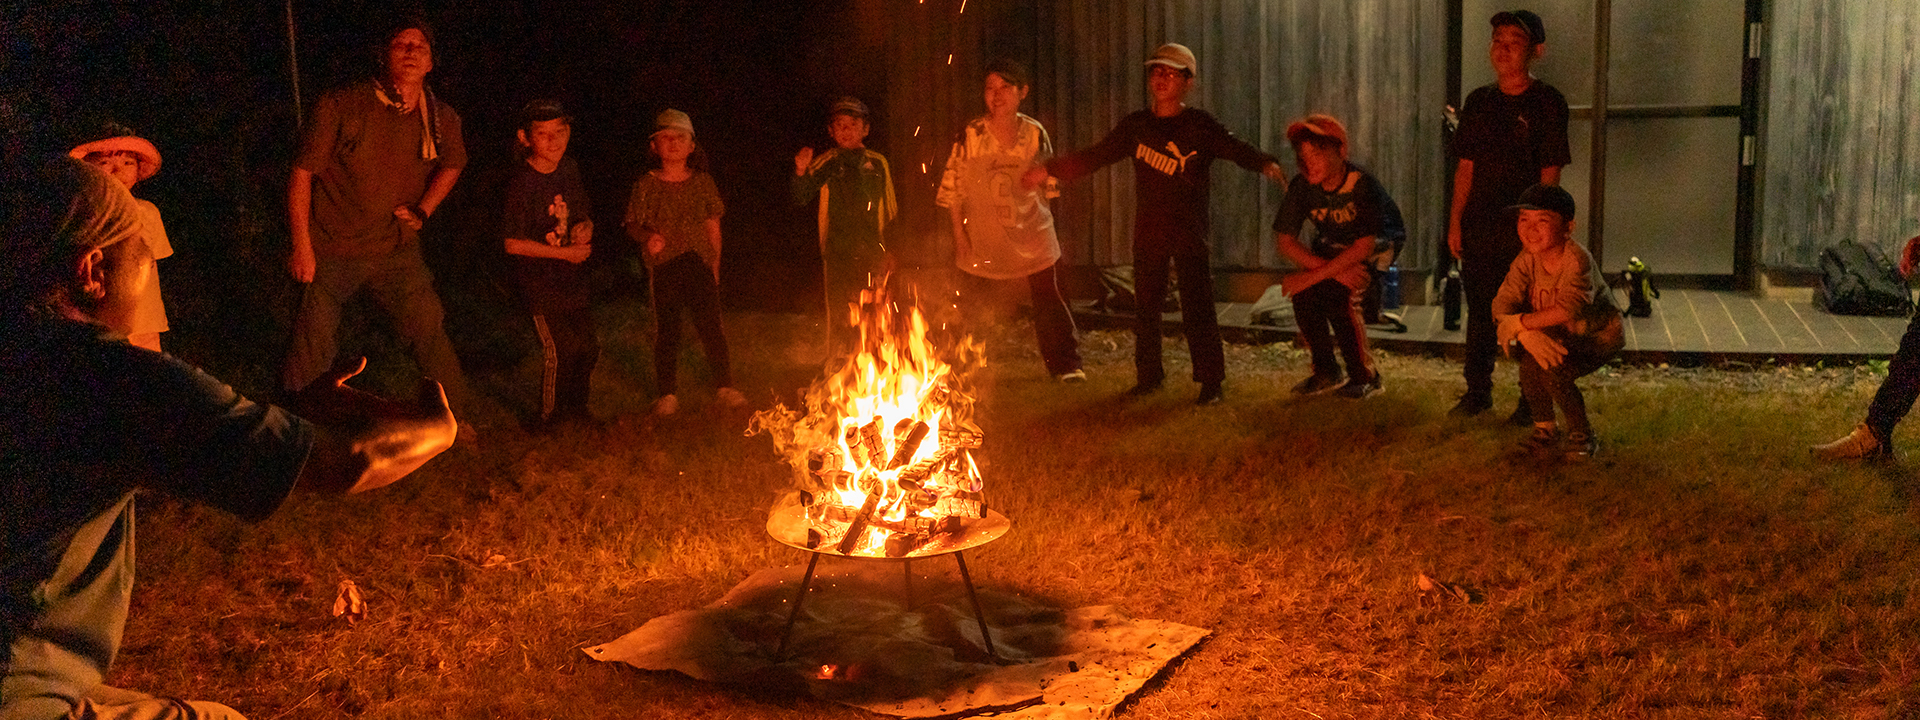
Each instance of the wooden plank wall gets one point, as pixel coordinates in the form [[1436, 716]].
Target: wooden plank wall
[[1842, 138], [1379, 65]]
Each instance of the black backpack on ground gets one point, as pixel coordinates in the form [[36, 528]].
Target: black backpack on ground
[[1858, 280], [1116, 291]]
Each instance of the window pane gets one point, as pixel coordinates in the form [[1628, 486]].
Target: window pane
[[1671, 185], [1669, 53]]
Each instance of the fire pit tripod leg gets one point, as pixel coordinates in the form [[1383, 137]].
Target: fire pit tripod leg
[[800, 597], [978, 614], [906, 567]]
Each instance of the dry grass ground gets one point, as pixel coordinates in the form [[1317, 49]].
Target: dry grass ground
[[1704, 566]]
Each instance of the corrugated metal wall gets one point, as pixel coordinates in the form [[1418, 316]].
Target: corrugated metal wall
[[1842, 145], [1379, 65]]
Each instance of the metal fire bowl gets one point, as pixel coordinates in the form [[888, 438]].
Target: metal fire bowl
[[788, 524]]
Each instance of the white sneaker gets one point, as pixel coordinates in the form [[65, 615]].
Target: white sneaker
[[730, 397], [1075, 375], [666, 405]]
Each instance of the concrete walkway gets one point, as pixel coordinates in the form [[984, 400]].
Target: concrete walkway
[[1687, 326]]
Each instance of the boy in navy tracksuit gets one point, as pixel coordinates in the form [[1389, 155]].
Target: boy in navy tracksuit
[[1173, 148], [1353, 215]]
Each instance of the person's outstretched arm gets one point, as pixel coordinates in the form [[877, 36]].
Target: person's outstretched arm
[[363, 441], [1072, 166], [1227, 146]]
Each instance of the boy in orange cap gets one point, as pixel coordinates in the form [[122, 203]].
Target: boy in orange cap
[[1354, 215]]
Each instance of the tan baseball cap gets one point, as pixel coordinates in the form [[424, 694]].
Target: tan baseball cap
[[1176, 56], [671, 120]]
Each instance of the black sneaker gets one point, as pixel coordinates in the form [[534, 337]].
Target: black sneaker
[[1581, 446], [1541, 442], [1144, 388], [1317, 384], [1522, 415], [1210, 394], [1471, 404], [1356, 390]]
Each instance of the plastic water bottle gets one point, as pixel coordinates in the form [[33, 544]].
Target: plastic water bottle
[[1391, 300]]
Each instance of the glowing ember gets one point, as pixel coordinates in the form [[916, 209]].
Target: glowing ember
[[881, 457]]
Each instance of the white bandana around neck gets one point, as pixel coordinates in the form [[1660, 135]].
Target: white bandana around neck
[[429, 130]]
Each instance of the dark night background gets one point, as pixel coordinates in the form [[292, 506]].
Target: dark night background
[[210, 84]]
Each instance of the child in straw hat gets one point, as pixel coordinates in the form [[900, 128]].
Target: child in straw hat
[[128, 158]]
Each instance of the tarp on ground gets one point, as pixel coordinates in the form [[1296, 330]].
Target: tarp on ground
[[856, 642]]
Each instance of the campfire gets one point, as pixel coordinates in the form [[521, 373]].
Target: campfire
[[882, 456]]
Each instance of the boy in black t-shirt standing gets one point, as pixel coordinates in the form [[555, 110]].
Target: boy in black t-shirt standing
[[549, 233], [1513, 134], [1353, 215], [1173, 148]]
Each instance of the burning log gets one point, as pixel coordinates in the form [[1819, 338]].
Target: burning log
[[825, 513], [915, 476], [915, 433], [859, 526], [822, 460], [960, 438], [870, 439]]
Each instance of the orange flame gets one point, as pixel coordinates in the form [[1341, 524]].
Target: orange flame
[[883, 447]]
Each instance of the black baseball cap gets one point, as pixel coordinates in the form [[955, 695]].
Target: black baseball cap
[[850, 106], [542, 110], [1546, 197], [1525, 20]]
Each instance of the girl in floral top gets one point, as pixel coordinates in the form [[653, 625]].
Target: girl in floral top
[[674, 214]]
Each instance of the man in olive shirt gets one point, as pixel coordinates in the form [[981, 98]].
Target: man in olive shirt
[[376, 159]]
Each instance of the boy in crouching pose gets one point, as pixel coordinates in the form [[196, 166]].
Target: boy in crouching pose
[[1354, 215], [1556, 305]]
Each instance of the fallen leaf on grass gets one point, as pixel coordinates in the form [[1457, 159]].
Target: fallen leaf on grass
[[1428, 587], [494, 560], [349, 603]]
